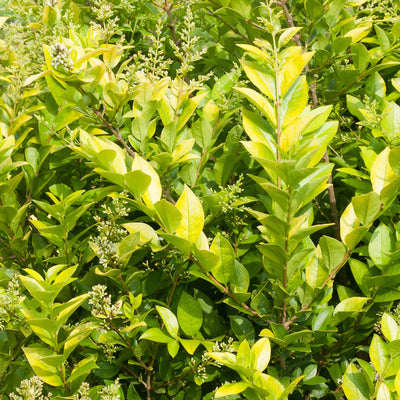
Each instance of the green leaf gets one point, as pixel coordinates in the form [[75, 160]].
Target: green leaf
[[354, 384], [397, 382], [379, 354], [286, 35], [127, 246], [241, 6], [294, 101], [173, 348], [41, 363], [274, 259], [66, 117], [112, 160], [381, 245], [190, 315], [260, 77], [46, 329], [350, 231], [137, 182], [390, 123], [227, 359], [394, 160], [366, 207], [243, 354], [352, 304], [260, 102], [333, 252], [76, 336], [64, 311], [259, 131], [207, 259], [169, 215], [184, 245], [192, 221], [202, 132], [383, 40], [383, 176], [231, 388], [260, 354], [190, 345], [154, 190], [170, 321], [225, 267], [389, 327], [156, 335], [291, 70], [81, 371], [49, 16], [240, 278], [242, 328]]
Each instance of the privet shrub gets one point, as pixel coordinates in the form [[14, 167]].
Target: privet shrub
[[198, 199]]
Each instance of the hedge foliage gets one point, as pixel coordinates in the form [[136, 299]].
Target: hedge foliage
[[199, 199]]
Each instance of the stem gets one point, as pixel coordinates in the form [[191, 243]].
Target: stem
[[116, 330], [277, 108], [115, 132], [13, 355], [330, 277], [172, 22], [62, 372], [331, 190], [230, 26], [332, 201], [175, 283], [225, 290], [205, 150]]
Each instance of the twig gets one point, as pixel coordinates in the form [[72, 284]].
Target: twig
[[225, 290], [115, 132], [230, 26], [329, 278]]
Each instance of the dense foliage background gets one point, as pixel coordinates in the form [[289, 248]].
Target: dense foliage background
[[198, 199]]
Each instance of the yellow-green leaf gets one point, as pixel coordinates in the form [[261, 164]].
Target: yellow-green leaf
[[291, 70], [154, 191], [192, 221], [225, 267], [260, 102], [382, 173], [231, 388], [260, 77]]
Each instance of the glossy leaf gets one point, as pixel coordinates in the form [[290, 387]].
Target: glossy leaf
[[260, 354], [192, 221], [190, 315], [354, 384], [170, 321], [231, 388], [379, 354], [225, 267], [366, 207]]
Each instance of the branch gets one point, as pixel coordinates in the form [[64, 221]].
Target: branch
[[230, 26], [225, 290], [329, 278], [313, 91], [115, 132]]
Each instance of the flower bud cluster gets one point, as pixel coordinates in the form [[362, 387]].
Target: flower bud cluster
[[61, 56], [101, 303], [83, 392], [226, 347], [10, 298], [30, 389], [110, 392]]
